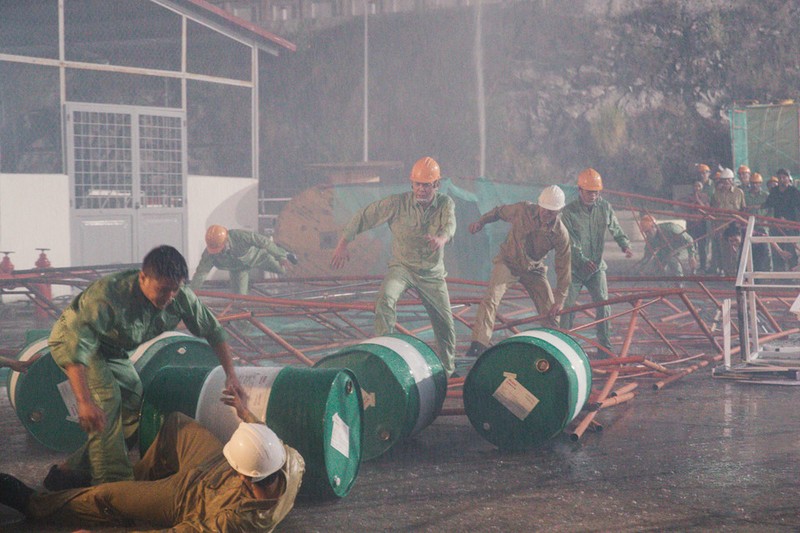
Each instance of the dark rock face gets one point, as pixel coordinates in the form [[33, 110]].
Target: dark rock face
[[638, 90]]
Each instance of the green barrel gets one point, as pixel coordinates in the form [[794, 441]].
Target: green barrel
[[171, 388], [527, 388], [171, 348], [315, 411], [403, 386], [43, 398]]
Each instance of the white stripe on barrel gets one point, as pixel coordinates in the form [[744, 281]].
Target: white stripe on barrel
[[578, 365], [420, 371]]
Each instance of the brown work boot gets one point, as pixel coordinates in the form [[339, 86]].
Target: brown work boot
[[63, 479], [475, 349]]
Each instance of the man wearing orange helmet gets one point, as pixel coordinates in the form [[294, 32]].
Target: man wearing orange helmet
[[535, 230], [238, 251], [422, 221], [587, 219], [744, 177], [704, 176], [667, 245]]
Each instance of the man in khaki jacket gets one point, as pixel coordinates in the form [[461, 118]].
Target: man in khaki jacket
[[535, 230], [187, 481]]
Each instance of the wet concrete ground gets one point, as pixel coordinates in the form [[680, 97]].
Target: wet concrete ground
[[702, 455]]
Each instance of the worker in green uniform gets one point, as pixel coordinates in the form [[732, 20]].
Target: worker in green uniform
[[187, 481], [238, 251], [422, 221], [535, 230], [587, 218], [91, 341], [754, 198], [667, 245]]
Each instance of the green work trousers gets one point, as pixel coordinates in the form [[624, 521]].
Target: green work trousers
[[433, 292], [116, 388], [240, 279], [161, 477], [598, 290], [535, 284]]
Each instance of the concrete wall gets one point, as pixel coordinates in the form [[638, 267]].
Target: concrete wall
[[34, 213]]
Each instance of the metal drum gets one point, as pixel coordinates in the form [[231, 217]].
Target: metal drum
[[403, 386], [43, 398], [171, 348], [527, 388], [315, 411]]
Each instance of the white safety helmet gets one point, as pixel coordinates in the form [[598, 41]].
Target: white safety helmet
[[552, 198], [727, 174], [255, 451]]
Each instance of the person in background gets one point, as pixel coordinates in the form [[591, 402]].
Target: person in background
[[744, 177], [704, 177], [698, 228], [422, 221], [535, 230], [238, 251], [667, 246], [754, 197], [91, 341], [728, 197], [187, 481], [587, 219], [772, 183], [784, 200]]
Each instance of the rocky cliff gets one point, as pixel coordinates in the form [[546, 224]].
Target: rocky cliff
[[639, 90]]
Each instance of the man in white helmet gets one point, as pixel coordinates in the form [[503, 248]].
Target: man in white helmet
[[535, 230], [187, 481]]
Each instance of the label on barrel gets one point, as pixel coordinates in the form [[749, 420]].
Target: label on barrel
[[340, 436], [514, 397], [68, 397]]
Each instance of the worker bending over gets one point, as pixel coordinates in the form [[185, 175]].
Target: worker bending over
[[238, 251], [535, 230]]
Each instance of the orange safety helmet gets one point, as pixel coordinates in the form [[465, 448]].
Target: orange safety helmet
[[647, 222], [216, 237], [756, 178], [426, 170], [774, 179], [702, 167], [589, 179], [743, 168]]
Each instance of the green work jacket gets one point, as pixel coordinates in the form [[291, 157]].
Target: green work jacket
[[670, 240], [112, 317], [410, 224], [587, 230], [244, 250]]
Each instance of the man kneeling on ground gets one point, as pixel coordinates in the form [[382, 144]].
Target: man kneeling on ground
[[187, 481]]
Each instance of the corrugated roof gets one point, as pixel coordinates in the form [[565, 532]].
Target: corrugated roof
[[245, 28]]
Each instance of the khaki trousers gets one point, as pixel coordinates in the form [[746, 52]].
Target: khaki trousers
[[535, 284]]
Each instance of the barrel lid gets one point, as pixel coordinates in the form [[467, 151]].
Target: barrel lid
[[317, 411], [46, 406], [403, 386], [523, 391]]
